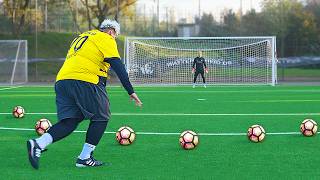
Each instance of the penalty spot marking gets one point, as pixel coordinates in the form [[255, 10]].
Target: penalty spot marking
[[188, 114], [201, 99], [166, 133]]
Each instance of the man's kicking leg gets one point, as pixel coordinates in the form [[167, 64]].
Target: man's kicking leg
[[57, 132]]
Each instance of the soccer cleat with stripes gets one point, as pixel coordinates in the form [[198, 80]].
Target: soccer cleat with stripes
[[34, 153], [90, 162]]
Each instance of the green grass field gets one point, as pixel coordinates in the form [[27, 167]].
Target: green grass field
[[223, 112]]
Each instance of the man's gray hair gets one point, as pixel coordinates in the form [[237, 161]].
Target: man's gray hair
[[108, 23]]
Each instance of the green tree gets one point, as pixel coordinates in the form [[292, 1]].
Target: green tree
[[294, 27], [313, 6], [231, 23], [302, 32], [209, 26], [254, 23]]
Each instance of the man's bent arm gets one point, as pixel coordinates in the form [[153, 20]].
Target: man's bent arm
[[121, 72]]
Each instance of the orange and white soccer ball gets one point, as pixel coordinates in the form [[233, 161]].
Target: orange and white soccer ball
[[125, 135], [18, 112], [42, 126], [256, 133], [308, 127], [188, 139]]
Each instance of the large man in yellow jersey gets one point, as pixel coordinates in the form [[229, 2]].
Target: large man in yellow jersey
[[81, 94]]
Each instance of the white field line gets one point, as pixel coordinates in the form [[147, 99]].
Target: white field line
[[182, 91], [280, 100], [52, 86], [235, 101], [166, 133], [187, 114], [14, 87]]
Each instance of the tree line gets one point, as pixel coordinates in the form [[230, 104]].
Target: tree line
[[24, 16], [295, 23]]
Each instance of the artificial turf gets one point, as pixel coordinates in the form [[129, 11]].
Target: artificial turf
[[219, 110]]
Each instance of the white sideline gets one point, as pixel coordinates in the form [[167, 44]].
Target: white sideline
[[167, 133], [187, 114], [14, 87]]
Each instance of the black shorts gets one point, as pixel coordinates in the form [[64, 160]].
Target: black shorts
[[199, 72], [82, 100]]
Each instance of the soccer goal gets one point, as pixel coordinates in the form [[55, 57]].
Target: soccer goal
[[13, 62], [230, 60]]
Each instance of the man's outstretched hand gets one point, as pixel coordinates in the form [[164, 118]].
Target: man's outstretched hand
[[135, 97]]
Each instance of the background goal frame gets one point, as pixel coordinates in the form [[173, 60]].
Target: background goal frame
[[270, 64], [14, 62]]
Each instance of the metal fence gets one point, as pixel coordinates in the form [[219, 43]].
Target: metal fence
[[293, 69], [299, 69]]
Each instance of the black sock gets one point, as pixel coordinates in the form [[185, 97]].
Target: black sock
[[63, 128], [95, 131]]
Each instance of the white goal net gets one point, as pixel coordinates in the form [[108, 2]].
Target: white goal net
[[13, 62], [230, 60]]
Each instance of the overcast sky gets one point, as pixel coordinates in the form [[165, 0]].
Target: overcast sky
[[190, 8]]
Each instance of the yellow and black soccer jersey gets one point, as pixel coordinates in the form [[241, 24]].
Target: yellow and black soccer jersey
[[85, 58]]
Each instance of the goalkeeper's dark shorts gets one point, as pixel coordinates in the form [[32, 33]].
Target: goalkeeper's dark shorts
[[82, 100]]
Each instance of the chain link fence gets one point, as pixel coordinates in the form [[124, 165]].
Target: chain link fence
[[294, 69]]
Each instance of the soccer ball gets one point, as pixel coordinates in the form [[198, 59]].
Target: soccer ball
[[42, 126], [18, 112], [256, 133], [308, 127], [188, 140], [125, 135]]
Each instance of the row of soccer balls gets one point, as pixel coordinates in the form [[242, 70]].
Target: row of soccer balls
[[188, 139]]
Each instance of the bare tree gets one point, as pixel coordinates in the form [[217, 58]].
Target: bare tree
[[74, 9], [16, 11], [100, 9]]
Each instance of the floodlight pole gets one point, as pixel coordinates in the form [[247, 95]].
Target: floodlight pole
[[117, 15], [36, 29], [46, 16], [240, 10], [158, 14], [199, 9], [76, 18]]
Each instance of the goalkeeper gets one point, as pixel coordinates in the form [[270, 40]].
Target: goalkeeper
[[198, 67], [81, 94]]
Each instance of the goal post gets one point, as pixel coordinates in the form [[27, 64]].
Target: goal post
[[230, 60], [13, 62]]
